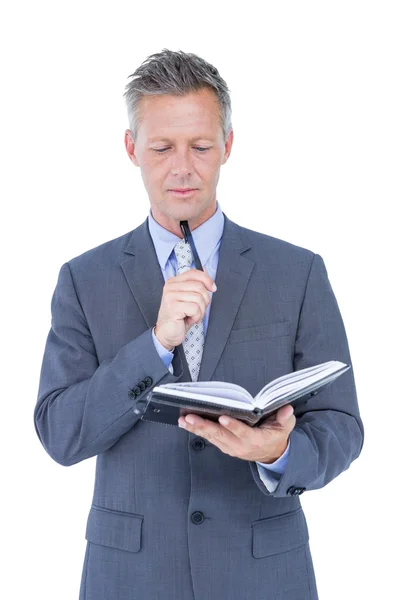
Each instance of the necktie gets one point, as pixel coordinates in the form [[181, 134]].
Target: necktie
[[194, 339]]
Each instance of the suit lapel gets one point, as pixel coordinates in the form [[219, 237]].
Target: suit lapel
[[146, 282], [233, 274]]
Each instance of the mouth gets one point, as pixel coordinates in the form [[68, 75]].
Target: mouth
[[183, 191]]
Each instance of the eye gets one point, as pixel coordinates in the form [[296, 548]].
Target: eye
[[162, 150]]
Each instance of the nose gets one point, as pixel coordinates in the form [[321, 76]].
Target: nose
[[181, 163]]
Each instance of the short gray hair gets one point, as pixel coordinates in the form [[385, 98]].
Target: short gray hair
[[176, 73]]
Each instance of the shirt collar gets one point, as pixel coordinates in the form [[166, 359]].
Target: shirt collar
[[206, 237]]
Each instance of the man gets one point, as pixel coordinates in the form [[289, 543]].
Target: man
[[204, 510]]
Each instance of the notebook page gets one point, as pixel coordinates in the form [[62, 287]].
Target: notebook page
[[295, 376], [221, 389], [271, 395], [205, 398]]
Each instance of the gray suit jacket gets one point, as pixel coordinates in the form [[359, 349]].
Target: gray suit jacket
[[172, 517]]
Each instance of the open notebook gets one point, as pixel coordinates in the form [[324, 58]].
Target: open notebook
[[210, 399]]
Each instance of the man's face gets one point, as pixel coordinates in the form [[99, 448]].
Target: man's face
[[180, 145]]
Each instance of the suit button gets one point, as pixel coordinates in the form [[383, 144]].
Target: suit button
[[197, 517], [131, 394], [142, 385], [198, 444], [137, 390], [148, 381]]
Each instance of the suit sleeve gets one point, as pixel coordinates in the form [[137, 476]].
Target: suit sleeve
[[84, 407], [329, 433]]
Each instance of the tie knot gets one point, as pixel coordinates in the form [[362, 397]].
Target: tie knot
[[184, 256]]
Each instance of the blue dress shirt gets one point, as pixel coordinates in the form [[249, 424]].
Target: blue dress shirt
[[207, 238]]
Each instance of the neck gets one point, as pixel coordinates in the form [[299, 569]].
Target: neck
[[173, 225]]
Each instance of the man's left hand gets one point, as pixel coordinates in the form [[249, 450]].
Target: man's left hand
[[264, 443]]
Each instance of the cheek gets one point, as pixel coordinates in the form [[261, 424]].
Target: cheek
[[212, 175], [151, 174], [208, 170], [216, 177]]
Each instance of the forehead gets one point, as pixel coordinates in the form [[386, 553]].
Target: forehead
[[195, 113]]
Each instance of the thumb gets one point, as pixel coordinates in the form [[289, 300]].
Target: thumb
[[283, 414]]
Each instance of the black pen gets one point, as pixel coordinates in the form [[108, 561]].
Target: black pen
[[189, 239]]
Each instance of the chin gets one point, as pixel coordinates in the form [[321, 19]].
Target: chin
[[189, 205]]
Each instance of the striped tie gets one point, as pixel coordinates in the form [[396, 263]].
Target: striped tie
[[194, 339]]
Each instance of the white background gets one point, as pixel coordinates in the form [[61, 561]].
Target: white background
[[315, 161]]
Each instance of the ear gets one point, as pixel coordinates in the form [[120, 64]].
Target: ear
[[130, 147], [228, 147]]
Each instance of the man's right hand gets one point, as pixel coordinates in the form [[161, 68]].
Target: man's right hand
[[184, 302]]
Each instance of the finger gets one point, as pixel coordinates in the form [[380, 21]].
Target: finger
[[284, 413], [192, 303], [280, 415], [214, 432], [235, 426], [188, 304], [197, 293], [283, 418], [286, 419], [196, 274]]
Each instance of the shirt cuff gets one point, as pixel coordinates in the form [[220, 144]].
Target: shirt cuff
[[165, 355], [269, 478], [279, 465]]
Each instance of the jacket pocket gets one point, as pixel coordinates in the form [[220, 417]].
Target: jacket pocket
[[113, 528], [259, 332], [279, 534]]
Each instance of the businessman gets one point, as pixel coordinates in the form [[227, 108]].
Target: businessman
[[202, 510]]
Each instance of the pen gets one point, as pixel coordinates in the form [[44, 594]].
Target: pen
[[189, 239]]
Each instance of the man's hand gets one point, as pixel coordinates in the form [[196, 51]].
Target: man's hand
[[184, 302], [264, 443]]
